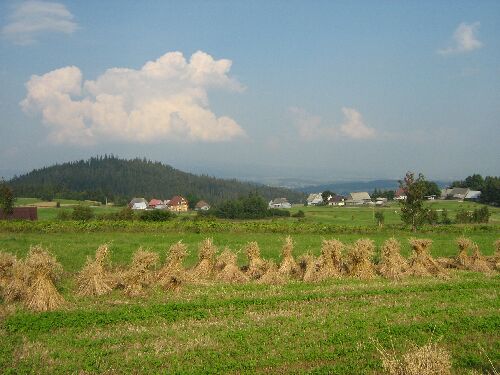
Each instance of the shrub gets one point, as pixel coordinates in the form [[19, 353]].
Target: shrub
[[273, 212], [379, 216], [157, 215], [444, 217], [432, 216], [63, 215], [82, 213]]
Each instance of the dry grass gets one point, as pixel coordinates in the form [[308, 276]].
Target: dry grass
[[94, 279], [288, 267], [7, 262], [257, 266], [205, 269], [140, 274], [308, 265], [496, 257], [421, 262], [359, 259], [478, 262], [228, 270], [430, 359], [329, 263], [173, 275], [272, 276], [41, 272], [462, 261], [392, 264]]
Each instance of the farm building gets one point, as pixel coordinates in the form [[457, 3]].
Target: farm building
[[460, 193], [279, 203], [178, 204], [358, 198], [138, 204], [336, 200], [400, 194], [314, 199], [202, 206]]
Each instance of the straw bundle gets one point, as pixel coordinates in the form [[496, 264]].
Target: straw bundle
[[15, 288], [94, 279], [392, 264], [272, 275], [309, 267], [496, 257], [42, 271], [172, 275], [421, 262], [478, 262], [429, 359], [288, 266], [228, 270], [140, 273], [205, 268], [7, 262], [359, 259], [256, 265], [462, 261], [329, 264]]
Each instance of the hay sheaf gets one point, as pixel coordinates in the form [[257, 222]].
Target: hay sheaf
[[359, 259], [228, 270], [272, 276], [430, 359], [288, 266], [173, 275], [329, 263], [462, 260], [392, 264], [421, 262], [478, 262], [94, 279], [496, 256], [205, 268], [256, 265], [309, 267], [42, 272], [140, 274], [15, 278], [7, 262]]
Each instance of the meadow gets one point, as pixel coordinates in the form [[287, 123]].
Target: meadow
[[334, 326]]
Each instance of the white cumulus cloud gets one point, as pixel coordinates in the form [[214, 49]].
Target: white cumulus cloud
[[165, 100], [30, 19], [464, 39], [311, 127]]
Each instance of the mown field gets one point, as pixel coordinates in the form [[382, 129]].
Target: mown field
[[336, 326]]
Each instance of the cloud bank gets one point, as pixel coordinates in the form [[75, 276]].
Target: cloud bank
[[464, 39], [30, 19], [311, 127], [165, 100]]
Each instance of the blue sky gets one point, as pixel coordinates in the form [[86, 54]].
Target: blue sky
[[319, 90]]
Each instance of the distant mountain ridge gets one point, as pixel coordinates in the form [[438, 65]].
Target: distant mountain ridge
[[109, 177], [353, 186]]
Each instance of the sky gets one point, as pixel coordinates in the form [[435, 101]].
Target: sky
[[315, 90]]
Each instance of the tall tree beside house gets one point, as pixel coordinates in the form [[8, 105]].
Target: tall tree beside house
[[7, 198], [413, 212], [327, 194]]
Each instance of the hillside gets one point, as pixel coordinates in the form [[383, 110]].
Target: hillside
[[118, 180]]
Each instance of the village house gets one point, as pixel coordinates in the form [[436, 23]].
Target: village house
[[337, 200], [138, 204], [358, 198], [400, 194], [314, 199], [156, 203], [202, 206], [279, 203], [178, 204]]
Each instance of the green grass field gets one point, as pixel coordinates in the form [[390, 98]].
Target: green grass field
[[333, 327]]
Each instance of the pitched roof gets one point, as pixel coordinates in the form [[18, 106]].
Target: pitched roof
[[279, 201], [138, 200], [155, 202], [177, 201], [360, 196], [201, 204]]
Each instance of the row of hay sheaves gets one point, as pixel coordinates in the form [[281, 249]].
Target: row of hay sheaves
[[32, 281]]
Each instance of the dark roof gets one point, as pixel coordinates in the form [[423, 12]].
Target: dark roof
[[201, 204], [138, 200], [177, 200]]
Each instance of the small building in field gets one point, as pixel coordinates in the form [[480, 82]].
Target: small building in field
[[314, 199], [178, 204], [380, 201], [473, 195], [279, 203], [154, 203], [336, 200], [400, 195], [202, 206], [455, 193], [358, 198], [138, 204]]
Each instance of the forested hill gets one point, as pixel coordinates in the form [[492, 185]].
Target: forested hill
[[119, 180]]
